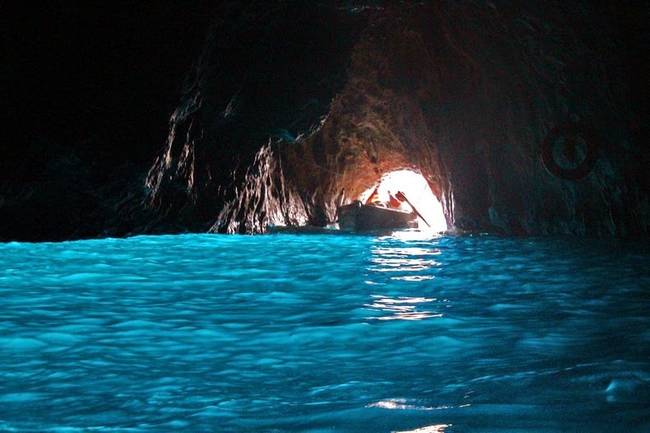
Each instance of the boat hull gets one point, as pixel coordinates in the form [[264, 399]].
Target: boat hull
[[357, 217]]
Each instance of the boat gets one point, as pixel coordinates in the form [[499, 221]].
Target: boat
[[358, 217]]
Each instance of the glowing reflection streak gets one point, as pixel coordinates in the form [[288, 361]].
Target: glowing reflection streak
[[393, 264], [399, 261], [401, 404], [397, 404], [404, 259], [409, 262], [409, 316], [402, 308], [438, 428], [414, 278], [421, 234], [406, 251], [402, 300]]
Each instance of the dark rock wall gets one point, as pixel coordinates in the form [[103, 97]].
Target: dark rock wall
[[86, 91], [294, 109], [268, 72]]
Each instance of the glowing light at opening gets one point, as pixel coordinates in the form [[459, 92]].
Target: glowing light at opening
[[417, 191]]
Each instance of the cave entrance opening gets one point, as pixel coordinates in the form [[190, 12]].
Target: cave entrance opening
[[417, 191]]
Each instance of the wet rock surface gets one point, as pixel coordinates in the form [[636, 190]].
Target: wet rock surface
[[465, 92], [266, 73], [291, 110]]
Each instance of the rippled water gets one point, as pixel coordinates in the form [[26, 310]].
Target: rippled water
[[282, 333]]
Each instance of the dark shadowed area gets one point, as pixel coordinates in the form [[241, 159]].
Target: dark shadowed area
[[89, 90], [233, 116], [450, 201]]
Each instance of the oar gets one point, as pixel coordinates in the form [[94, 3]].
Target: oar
[[401, 195]]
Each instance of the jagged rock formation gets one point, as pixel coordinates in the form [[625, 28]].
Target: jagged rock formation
[[267, 72], [465, 92], [265, 198]]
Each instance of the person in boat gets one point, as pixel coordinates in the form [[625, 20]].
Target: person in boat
[[374, 199], [395, 201], [398, 201]]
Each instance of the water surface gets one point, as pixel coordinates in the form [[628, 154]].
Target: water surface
[[283, 333]]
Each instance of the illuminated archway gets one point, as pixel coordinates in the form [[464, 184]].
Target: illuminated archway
[[418, 192]]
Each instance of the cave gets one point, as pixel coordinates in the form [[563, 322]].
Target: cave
[[283, 106], [472, 97], [359, 216]]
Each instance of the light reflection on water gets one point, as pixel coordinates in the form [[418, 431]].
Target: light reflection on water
[[401, 308], [412, 263], [285, 333], [438, 428]]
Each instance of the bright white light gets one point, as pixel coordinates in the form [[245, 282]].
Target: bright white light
[[438, 428], [417, 191]]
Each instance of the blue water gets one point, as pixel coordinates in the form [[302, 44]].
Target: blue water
[[284, 333]]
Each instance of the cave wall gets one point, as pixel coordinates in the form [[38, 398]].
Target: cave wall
[[267, 73], [87, 88], [294, 109]]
